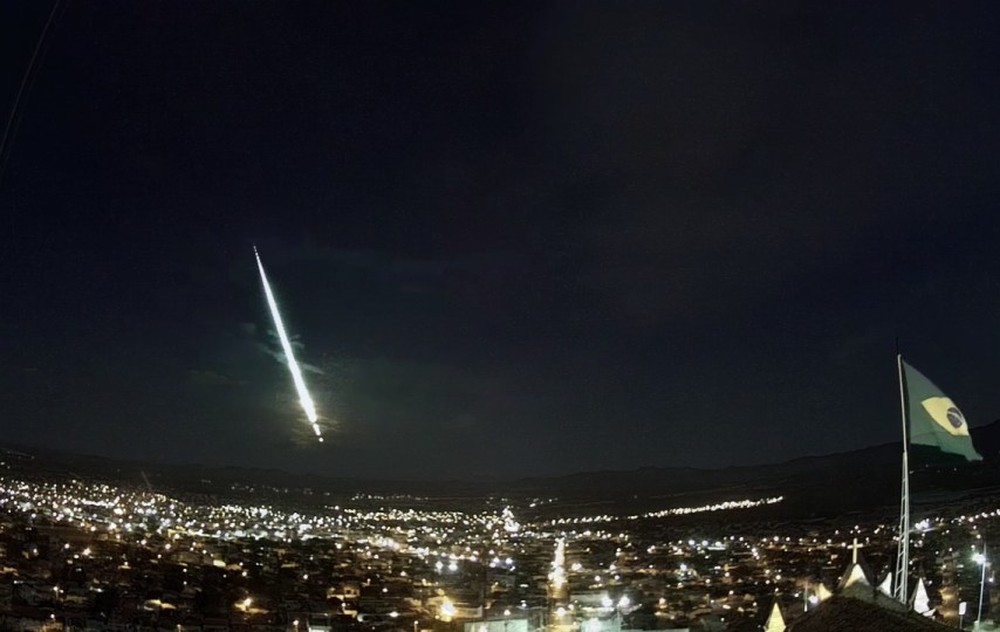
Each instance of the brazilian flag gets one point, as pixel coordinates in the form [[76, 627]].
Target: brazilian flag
[[935, 420]]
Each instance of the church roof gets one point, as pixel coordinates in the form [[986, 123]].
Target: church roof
[[855, 574], [841, 613]]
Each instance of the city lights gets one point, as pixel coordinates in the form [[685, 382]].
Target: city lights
[[592, 566]]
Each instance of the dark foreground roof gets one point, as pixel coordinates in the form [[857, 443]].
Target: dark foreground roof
[[847, 614]]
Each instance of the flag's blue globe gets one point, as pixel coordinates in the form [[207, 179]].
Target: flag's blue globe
[[955, 417]]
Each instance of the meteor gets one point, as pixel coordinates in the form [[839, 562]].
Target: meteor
[[300, 385]]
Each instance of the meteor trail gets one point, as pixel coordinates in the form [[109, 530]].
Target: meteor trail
[[300, 385]]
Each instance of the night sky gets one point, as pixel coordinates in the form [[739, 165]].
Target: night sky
[[510, 239]]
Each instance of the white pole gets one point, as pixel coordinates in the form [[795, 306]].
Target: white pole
[[982, 584], [903, 553]]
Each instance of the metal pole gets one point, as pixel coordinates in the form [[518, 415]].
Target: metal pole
[[903, 553], [982, 585]]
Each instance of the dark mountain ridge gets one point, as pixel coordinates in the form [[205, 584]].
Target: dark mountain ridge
[[863, 478]]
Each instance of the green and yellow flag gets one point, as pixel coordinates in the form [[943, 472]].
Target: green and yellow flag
[[935, 420]]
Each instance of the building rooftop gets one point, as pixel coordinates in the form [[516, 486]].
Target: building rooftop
[[848, 614]]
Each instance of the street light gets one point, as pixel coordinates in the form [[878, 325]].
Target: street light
[[980, 559]]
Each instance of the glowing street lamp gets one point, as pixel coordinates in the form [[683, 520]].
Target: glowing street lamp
[[447, 610], [980, 559]]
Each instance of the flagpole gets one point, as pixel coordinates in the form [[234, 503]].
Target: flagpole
[[903, 552]]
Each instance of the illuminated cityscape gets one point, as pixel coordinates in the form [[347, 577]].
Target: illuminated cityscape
[[387, 316], [86, 554]]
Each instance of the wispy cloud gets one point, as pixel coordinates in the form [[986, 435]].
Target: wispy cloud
[[209, 378], [273, 349]]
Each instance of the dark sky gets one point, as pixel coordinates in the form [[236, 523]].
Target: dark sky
[[511, 238]]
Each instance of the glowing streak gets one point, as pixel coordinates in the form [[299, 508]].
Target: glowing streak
[[300, 385]]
